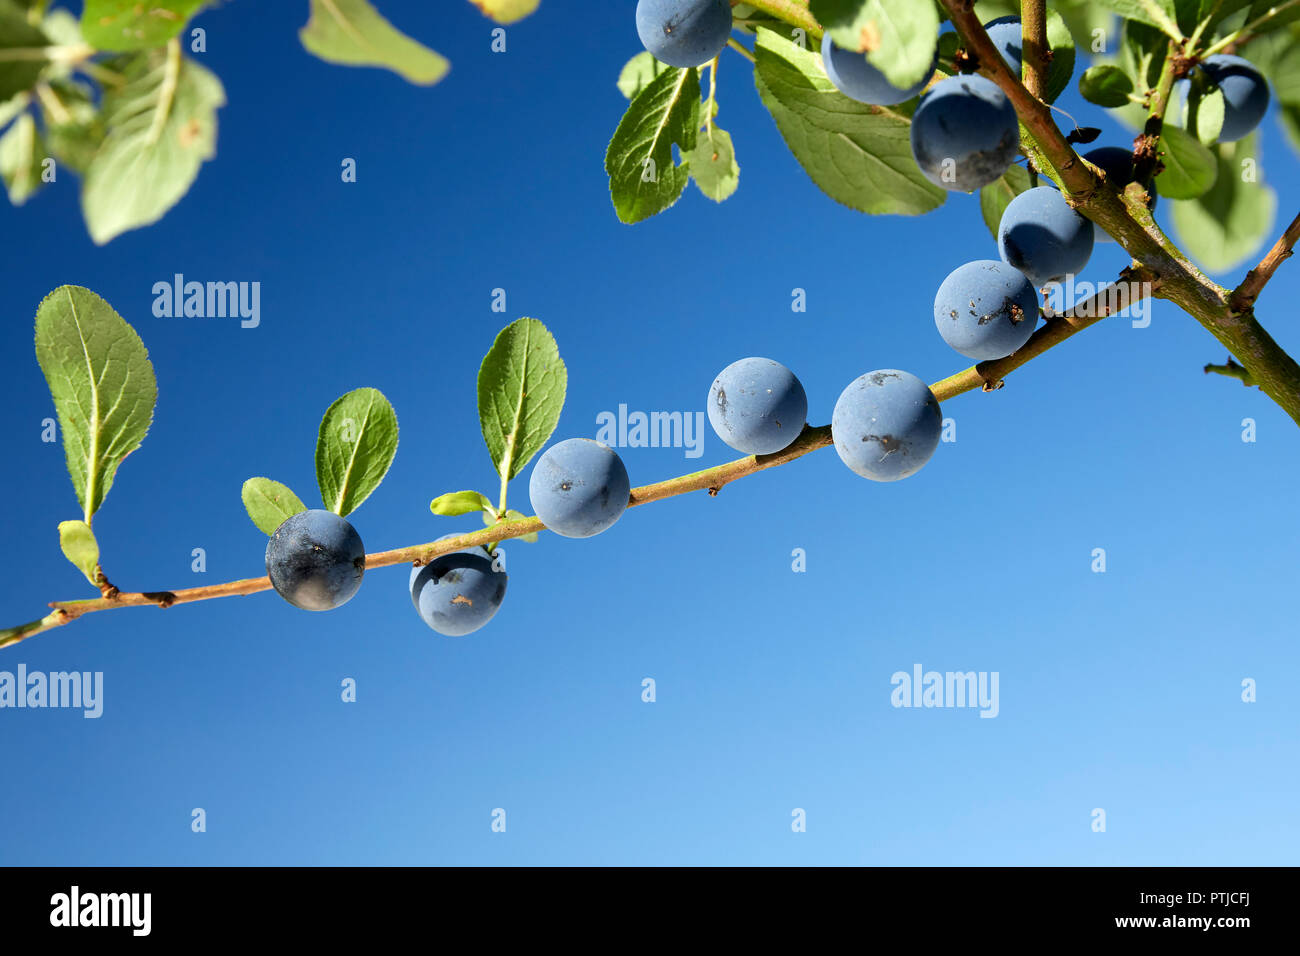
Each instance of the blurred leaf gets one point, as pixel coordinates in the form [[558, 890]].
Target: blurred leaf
[[1285, 14], [997, 195], [102, 383], [21, 60], [638, 72], [1230, 223], [133, 24], [713, 164], [80, 547], [12, 107], [456, 503], [1157, 13], [354, 449], [643, 179], [506, 11], [521, 386], [1190, 168], [857, 154], [898, 36], [162, 126], [353, 33], [74, 128], [270, 503], [21, 156], [1106, 85]]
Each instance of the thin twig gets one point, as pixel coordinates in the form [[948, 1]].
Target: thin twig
[[1232, 370], [1243, 297], [1134, 285]]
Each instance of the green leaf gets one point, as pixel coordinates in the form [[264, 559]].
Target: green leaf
[[512, 515], [457, 503], [75, 130], [270, 503], [13, 107], [132, 24], [80, 547], [162, 126], [857, 154], [102, 383], [1106, 85], [1286, 75], [22, 154], [1284, 14], [1061, 42], [521, 386], [353, 33], [898, 36], [1156, 13], [355, 447], [1229, 224], [713, 164], [506, 11], [21, 46], [638, 72], [1207, 116], [1142, 51], [997, 195], [1190, 168], [643, 179]]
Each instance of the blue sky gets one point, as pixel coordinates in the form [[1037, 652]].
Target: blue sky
[[1119, 691]]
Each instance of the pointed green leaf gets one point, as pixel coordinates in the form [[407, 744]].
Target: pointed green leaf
[[713, 164], [22, 154], [506, 11], [269, 503], [997, 195], [80, 547], [457, 503], [1229, 224], [521, 386], [638, 72], [898, 36], [1190, 168], [102, 383], [643, 179], [162, 126], [857, 154], [1106, 85], [353, 33], [21, 50], [355, 447], [133, 25]]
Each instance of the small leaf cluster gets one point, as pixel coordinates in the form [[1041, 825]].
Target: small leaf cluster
[[113, 97]]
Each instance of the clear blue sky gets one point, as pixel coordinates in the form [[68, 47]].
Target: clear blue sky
[[1118, 690]]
